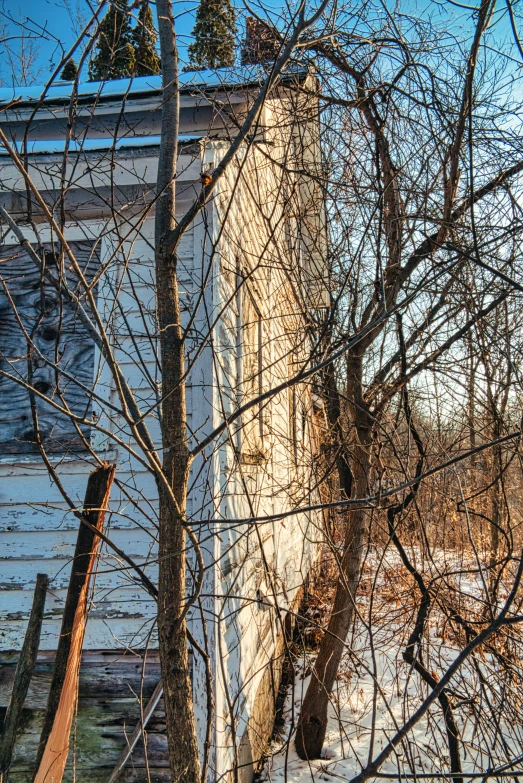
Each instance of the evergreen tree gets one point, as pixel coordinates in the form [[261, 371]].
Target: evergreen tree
[[214, 31], [114, 57], [69, 71], [147, 59]]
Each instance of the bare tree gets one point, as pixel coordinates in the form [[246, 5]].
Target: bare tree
[[398, 226], [172, 609], [352, 428]]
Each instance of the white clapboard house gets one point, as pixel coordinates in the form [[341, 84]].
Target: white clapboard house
[[251, 271]]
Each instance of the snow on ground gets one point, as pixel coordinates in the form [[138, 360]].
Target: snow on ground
[[376, 691]]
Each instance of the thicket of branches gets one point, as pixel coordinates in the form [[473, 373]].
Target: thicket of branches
[[414, 368]]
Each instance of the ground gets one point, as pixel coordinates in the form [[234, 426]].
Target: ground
[[376, 690]]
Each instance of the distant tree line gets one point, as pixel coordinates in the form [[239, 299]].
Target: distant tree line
[[123, 51]]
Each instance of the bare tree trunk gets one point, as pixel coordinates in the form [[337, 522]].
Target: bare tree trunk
[[312, 725], [496, 503], [471, 396], [180, 722]]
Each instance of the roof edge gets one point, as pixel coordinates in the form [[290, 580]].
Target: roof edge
[[135, 88]]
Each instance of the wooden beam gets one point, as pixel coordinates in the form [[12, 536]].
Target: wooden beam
[[95, 174], [63, 695], [23, 674]]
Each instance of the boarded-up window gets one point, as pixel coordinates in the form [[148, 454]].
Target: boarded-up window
[[43, 340]]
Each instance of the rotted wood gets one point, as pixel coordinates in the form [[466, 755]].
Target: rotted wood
[[113, 684], [63, 695], [137, 733], [105, 677], [23, 674]]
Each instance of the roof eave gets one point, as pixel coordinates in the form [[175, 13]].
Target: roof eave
[[143, 89]]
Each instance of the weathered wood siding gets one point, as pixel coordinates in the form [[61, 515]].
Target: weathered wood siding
[[267, 562], [37, 531]]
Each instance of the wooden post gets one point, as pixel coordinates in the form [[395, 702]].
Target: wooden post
[[63, 695], [23, 674]]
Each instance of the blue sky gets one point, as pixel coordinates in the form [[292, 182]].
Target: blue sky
[[54, 24], [53, 21]]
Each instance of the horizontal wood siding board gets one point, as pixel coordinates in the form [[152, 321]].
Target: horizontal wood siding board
[[128, 515], [93, 174], [107, 674], [14, 486], [56, 545], [121, 602], [132, 631], [20, 575], [135, 774]]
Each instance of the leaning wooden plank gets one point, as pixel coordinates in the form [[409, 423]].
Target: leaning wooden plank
[[23, 674], [61, 704], [137, 733]]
